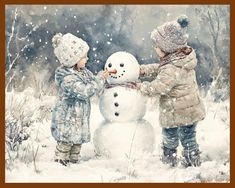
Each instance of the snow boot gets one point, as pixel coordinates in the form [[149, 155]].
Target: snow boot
[[191, 158], [75, 153], [63, 162], [169, 156], [62, 153]]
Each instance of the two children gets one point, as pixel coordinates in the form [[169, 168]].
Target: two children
[[175, 81]]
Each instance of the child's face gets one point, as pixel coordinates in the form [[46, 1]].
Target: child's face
[[83, 61], [159, 52]]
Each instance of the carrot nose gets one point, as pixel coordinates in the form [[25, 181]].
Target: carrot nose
[[114, 71]]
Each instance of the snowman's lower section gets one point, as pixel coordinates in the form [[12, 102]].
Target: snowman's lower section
[[126, 139]]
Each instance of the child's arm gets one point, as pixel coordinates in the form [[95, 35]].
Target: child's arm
[[163, 83], [150, 69], [100, 85], [74, 88]]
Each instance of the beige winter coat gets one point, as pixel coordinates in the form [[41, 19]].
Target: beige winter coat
[[176, 84]]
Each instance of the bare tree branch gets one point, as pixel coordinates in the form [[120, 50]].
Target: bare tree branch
[[11, 35]]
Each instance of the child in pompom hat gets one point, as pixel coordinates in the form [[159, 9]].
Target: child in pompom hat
[[76, 84], [175, 81]]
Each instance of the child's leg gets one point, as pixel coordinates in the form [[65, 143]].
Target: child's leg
[[188, 140], [170, 144], [75, 153], [62, 152], [170, 137]]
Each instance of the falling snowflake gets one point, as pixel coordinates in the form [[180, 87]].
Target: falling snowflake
[[45, 8]]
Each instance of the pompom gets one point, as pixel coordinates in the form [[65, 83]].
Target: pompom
[[183, 21], [56, 40]]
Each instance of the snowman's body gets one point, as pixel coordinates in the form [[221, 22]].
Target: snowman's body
[[124, 132], [122, 104]]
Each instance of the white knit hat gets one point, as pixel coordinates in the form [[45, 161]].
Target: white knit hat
[[69, 49], [171, 36]]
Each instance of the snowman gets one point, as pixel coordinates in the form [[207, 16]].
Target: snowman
[[124, 133]]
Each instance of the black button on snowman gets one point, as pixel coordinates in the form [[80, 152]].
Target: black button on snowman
[[123, 132]]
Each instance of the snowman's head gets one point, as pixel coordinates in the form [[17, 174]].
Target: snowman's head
[[125, 68]]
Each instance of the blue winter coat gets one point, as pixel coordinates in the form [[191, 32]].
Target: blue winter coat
[[70, 116]]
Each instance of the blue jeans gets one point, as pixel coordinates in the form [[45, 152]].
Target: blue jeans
[[186, 135]]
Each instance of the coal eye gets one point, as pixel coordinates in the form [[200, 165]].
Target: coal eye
[[121, 65], [110, 65]]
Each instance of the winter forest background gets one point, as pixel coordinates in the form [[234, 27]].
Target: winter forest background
[[30, 90]]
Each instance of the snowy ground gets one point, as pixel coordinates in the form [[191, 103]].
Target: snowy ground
[[213, 138]]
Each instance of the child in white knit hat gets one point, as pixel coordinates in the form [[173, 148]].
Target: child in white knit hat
[[175, 81], [76, 84]]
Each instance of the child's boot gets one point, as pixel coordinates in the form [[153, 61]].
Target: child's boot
[[191, 158], [62, 153], [75, 153], [169, 156]]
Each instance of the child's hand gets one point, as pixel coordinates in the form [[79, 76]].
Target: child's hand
[[138, 85], [142, 71], [105, 74]]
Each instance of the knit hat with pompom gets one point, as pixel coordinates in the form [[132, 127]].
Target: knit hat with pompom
[[69, 49], [171, 36]]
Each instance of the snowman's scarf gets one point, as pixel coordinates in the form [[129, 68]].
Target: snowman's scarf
[[131, 85]]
